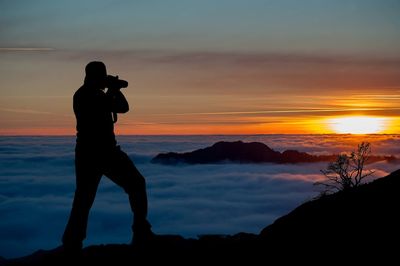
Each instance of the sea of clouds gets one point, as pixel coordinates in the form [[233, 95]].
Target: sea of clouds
[[37, 184]]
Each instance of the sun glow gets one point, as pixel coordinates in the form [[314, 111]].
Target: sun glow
[[358, 124]]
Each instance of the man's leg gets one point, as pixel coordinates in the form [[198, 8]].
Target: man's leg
[[87, 180], [124, 173]]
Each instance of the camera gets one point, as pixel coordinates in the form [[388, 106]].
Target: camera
[[113, 82]]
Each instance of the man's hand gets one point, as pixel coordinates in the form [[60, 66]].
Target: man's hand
[[114, 83]]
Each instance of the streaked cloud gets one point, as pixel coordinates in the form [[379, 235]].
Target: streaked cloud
[[26, 49], [264, 58], [294, 111], [25, 111], [241, 58], [262, 72]]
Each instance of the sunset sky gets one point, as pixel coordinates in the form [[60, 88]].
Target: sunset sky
[[205, 67]]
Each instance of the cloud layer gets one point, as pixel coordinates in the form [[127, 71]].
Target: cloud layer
[[37, 184]]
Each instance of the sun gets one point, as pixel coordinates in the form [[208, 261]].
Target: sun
[[358, 124]]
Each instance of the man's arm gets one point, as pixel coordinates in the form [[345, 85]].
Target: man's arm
[[118, 102]]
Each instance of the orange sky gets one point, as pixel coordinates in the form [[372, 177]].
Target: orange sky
[[218, 98], [282, 67]]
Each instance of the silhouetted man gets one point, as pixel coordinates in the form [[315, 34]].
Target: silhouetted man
[[97, 154]]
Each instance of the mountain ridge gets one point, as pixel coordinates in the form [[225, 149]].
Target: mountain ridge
[[250, 152]]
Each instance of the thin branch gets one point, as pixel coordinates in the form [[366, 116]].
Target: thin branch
[[348, 169]]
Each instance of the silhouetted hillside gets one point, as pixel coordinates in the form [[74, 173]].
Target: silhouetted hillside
[[362, 218], [253, 152], [355, 225]]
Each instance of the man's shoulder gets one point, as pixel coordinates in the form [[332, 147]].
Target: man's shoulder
[[85, 91]]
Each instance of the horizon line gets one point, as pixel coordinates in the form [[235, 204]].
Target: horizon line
[[191, 135]]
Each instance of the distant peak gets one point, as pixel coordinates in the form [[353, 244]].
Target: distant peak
[[247, 152]]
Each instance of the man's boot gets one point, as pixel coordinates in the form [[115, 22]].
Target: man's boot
[[142, 233]]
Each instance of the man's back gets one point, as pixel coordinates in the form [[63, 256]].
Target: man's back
[[94, 124]]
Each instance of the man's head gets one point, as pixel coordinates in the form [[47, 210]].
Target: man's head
[[96, 74]]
